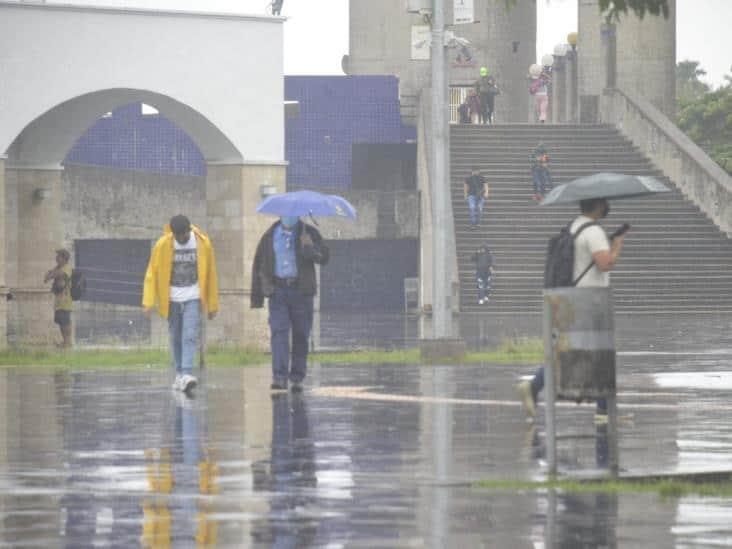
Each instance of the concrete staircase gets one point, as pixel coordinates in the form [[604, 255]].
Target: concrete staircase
[[675, 259]]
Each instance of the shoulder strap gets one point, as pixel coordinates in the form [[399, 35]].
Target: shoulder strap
[[582, 228], [574, 236]]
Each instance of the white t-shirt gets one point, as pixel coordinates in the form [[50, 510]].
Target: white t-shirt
[[184, 275], [592, 239]]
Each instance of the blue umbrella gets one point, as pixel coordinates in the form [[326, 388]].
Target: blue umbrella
[[302, 203]]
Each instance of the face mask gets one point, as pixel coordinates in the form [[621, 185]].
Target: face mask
[[606, 210], [288, 222]]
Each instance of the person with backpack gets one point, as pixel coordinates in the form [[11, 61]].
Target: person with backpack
[[483, 259], [475, 191], [181, 280], [582, 256], [61, 290], [540, 175]]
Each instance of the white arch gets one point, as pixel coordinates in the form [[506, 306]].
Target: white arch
[[218, 76], [45, 142]]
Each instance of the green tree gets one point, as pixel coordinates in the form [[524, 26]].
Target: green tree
[[708, 121], [688, 86]]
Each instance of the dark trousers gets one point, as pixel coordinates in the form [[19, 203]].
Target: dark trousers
[[537, 384], [289, 310]]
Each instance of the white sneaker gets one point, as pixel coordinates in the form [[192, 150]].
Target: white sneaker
[[187, 383], [177, 382], [480, 302]]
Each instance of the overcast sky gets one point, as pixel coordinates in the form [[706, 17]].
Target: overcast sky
[[316, 35]]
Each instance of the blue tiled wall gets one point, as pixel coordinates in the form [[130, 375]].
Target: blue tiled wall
[[130, 140], [335, 113]]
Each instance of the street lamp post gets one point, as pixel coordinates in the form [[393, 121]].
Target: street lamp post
[[441, 267]]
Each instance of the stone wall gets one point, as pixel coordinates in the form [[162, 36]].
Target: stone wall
[[503, 39], [107, 203], [638, 55], [700, 179], [100, 202]]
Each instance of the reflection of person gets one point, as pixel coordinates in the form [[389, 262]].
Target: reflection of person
[[483, 260], [594, 257], [61, 289], [181, 279], [284, 272], [540, 175], [291, 476], [475, 191], [184, 469]]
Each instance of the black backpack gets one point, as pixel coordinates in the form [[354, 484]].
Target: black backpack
[[78, 285], [559, 266]]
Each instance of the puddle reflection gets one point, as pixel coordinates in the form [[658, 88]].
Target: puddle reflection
[[289, 477], [117, 459]]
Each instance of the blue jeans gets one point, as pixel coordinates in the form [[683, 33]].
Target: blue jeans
[[485, 282], [475, 204], [537, 384], [184, 323], [542, 180], [289, 310]]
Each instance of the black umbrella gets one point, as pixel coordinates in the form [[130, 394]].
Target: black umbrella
[[605, 185]]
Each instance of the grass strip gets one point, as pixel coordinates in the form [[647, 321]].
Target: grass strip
[[665, 488], [509, 352]]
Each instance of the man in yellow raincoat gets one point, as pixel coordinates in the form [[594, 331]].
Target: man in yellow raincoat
[[181, 280]]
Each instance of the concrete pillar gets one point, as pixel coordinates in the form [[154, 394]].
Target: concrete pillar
[[572, 106], [34, 232], [644, 57], [559, 89], [591, 61], [609, 43], [3, 280], [232, 194], [503, 39], [646, 52]]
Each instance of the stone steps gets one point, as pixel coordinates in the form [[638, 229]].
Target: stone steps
[[675, 258]]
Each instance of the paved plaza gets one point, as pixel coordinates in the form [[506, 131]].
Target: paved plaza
[[368, 456]]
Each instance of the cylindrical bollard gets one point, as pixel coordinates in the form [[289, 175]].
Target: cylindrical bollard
[[579, 344]]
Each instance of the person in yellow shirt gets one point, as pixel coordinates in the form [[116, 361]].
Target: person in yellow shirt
[[181, 280], [61, 290]]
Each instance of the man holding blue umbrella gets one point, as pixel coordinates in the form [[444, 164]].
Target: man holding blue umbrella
[[284, 272]]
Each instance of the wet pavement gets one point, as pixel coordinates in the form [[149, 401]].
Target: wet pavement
[[368, 456]]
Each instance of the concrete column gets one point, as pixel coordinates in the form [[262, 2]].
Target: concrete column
[[646, 51], [571, 107], [232, 194], [559, 90], [34, 232], [608, 32], [3, 280], [643, 60], [591, 62]]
